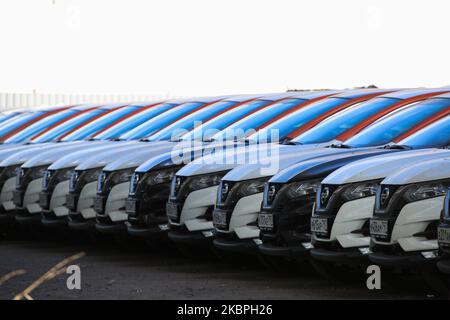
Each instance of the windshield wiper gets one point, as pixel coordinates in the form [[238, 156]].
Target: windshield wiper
[[341, 146], [398, 147], [288, 142]]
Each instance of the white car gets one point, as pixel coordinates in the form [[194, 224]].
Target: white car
[[345, 202], [30, 177], [408, 205], [57, 177]]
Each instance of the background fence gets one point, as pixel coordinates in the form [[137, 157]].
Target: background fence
[[25, 100]]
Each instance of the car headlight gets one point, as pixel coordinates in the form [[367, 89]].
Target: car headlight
[[79, 178], [250, 187], [161, 176], [52, 177], [122, 175], [8, 172], [38, 172], [424, 191], [26, 175], [303, 188], [360, 190]]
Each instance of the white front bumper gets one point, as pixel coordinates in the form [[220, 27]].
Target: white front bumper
[[196, 204], [6, 196], [414, 218], [351, 216], [115, 204], [85, 205], [31, 197]]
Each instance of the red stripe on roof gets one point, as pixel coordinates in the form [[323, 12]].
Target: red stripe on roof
[[190, 112], [25, 125], [89, 121], [438, 116], [333, 111], [62, 121], [139, 110], [228, 109], [351, 132], [299, 106]]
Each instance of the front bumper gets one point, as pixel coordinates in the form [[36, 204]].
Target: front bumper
[[82, 225], [247, 246], [50, 221], [285, 252], [110, 228], [443, 265], [147, 231], [27, 219], [350, 256], [408, 261], [199, 238]]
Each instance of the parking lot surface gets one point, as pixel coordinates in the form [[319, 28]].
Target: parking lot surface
[[117, 271]]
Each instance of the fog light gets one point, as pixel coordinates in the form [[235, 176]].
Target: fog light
[[258, 242], [307, 245], [365, 251], [163, 227], [429, 254], [207, 234]]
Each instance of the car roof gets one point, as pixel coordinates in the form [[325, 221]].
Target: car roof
[[409, 93]]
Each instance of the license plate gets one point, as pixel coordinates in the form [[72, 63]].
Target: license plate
[[172, 211], [220, 219], [17, 198], [444, 235], [319, 225], [130, 206], [43, 199], [70, 201], [98, 204], [265, 221], [379, 227]]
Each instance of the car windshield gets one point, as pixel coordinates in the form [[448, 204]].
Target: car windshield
[[67, 126], [122, 127], [16, 122], [282, 127], [434, 135], [87, 130], [40, 125], [160, 121], [330, 128], [174, 130], [387, 129], [7, 117], [251, 121], [224, 120]]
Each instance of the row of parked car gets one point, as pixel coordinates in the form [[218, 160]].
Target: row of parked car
[[341, 179]]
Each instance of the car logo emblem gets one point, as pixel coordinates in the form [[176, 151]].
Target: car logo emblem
[[324, 195]]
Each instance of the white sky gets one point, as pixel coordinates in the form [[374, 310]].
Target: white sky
[[205, 47]]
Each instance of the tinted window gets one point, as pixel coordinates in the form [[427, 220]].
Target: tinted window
[[122, 127], [332, 127], [256, 119], [98, 124], [40, 125], [387, 129], [296, 119], [160, 121], [16, 122], [435, 135], [67, 126], [188, 122]]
